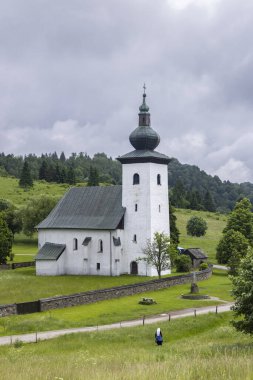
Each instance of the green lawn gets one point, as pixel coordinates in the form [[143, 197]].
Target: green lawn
[[10, 190], [116, 310], [216, 223], [206, 347]]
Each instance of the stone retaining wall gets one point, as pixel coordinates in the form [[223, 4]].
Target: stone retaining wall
[[23, 264], [6, 310], [120, 291], [110, 293]]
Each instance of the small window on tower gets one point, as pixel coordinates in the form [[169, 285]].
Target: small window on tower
[[135, 239], [100, 245], [75, 244], [98, 266], [159, 207], [158, 179], [136, 207], [136, 179]]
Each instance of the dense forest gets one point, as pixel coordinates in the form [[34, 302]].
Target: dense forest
[[189, 186]]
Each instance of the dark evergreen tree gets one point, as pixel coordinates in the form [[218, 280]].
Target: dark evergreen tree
[[208, 202], [71, 178], [43, 170], [178, 195], [62, 157], [93, 179], [26, 180], [174, 232], [57, 174]]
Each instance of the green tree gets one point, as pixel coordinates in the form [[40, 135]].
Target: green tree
[[6, 239], [174, 232], [26, 178], [183, 263], [231, 248], [157, 252], [196, 226], [178, 194], [71, 177], [242, 290], [208, 202], [241, 220], [93, 179], [35, 211], [11, 216]]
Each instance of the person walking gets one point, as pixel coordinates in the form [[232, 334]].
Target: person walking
[[158, 337]]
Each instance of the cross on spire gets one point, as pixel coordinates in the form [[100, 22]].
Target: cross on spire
[[144, 88]]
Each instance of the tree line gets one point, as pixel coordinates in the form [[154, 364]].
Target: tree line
[[189, 186]]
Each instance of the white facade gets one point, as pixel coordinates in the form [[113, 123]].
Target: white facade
[[78, 259], [147, 209]]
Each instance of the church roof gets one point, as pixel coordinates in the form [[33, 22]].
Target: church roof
[[94, 208], [50, 251], [144, 156]]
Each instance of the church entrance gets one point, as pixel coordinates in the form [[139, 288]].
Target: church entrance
[[133, 267]]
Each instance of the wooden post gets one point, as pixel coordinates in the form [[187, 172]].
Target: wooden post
[[169, 317], [195, 313], [143, 320], [216, 311]]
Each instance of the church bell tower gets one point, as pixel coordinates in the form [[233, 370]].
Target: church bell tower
[[144, 193]]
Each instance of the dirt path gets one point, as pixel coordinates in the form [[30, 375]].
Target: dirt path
[[34, 337]]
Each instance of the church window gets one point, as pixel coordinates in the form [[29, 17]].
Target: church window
[[136, 179], [98, 266], [158, 179], [75, 244], [135, 238], [136, 207], [100, 245]]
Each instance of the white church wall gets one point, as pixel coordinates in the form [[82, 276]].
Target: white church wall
[[149, 217], [50, 267], [85, 260]]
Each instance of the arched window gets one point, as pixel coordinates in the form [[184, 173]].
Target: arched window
[[75, 244], [159, 208], [136, 207], [135, 238], [158, 179], [136, 179], [100, 245]]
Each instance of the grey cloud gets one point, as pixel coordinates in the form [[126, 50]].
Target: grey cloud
[[71, 76]]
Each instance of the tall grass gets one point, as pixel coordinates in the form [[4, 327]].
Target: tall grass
[[117, 310], [216, 223], [206, 347]]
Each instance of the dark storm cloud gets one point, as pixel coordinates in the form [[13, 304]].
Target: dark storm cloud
[[71, 76]]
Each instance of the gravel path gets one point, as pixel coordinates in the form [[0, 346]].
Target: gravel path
[[34, 337]]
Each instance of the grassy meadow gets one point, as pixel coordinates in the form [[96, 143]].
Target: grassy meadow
[[109, 311], [10, 190], [216, 223], [206, 347]]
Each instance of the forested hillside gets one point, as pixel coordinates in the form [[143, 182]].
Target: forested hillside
[[189, 186]]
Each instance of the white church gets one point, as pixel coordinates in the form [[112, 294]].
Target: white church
[[103, 230]]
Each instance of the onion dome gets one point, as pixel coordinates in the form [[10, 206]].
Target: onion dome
[[144, 137]]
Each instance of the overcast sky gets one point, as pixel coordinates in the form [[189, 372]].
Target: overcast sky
[[71, 77]]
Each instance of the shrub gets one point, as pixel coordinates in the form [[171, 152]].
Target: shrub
[[203, 266], [183, 263], [196, 226]]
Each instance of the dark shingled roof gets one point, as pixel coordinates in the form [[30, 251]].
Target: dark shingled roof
[[144, 156], [196, 253], [94, 208], [50, 251]]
